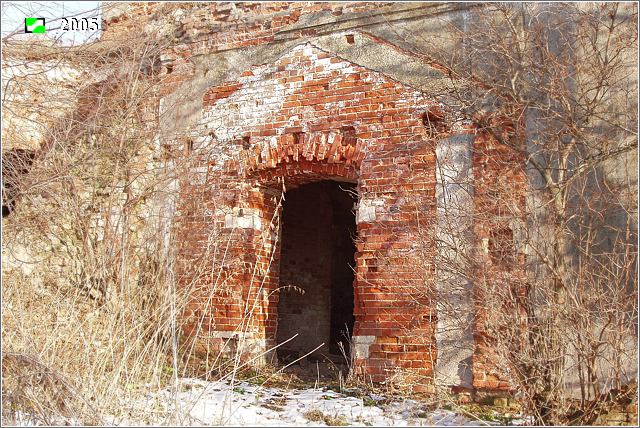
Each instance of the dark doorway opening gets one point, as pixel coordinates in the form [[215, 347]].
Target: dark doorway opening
[[317, 263]]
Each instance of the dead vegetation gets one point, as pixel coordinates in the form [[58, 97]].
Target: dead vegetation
[[554, 269], [33, 388], [90, 312]]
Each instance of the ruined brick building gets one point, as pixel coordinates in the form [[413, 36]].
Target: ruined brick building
[[314, 136], [332, 193]]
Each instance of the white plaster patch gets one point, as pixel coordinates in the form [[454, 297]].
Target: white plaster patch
[[366, 212], [454, 339], [361, 345], [485, 245], [243, 218], [200, 175], [225, 334], [227, 127]]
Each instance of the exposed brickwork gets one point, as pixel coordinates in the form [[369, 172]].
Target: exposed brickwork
[[499, 199], [202, 28], [219, 92], [323, 117], [312, 115]]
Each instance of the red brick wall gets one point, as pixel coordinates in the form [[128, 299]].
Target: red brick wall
[[500, 180], [330, 118], [311, 116], [205, 27]]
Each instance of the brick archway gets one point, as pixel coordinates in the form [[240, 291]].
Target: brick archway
[[314, 211], [391, 331], [271, 183], [314, 116]]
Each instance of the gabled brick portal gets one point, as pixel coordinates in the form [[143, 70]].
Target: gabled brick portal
[[312, 116]]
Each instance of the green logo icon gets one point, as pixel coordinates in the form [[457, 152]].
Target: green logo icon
[[34, 25]]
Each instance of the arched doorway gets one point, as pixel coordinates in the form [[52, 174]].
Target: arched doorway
[[317, 263]]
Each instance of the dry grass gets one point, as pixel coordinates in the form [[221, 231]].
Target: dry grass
[[32, 388], [89, 305], [68, 358], [316, 415]]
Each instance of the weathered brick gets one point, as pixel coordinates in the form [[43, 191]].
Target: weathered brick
[[307, 116]]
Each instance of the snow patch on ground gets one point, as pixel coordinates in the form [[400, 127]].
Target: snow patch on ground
[[222, 403]]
